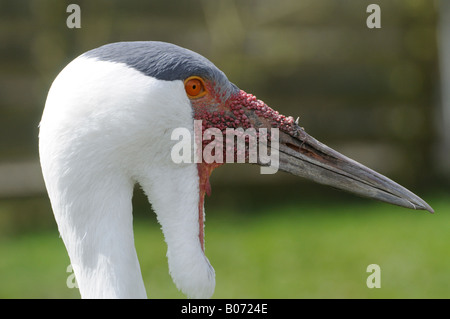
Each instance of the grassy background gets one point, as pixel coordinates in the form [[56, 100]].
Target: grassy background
[[305, 250]]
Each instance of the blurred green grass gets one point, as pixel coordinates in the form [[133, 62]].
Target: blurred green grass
[[307, 250]]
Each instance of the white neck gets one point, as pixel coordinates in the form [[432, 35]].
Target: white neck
[[175, 199], [93, 150], [97, 229]]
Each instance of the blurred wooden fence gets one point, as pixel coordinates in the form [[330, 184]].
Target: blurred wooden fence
[[370, 93]]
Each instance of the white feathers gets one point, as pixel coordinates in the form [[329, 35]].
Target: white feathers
[[105, 127]]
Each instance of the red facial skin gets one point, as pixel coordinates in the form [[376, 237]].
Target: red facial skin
[[239, 110]]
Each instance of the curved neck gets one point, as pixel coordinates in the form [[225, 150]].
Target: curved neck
[[96, 227]]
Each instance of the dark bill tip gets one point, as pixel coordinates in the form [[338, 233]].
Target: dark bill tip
[[304, 156]]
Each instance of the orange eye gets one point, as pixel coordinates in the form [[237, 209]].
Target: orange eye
[[194, 87]]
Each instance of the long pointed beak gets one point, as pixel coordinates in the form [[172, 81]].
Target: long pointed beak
[[302, 155]]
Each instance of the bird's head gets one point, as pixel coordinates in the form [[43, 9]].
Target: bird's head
[[221, 105]]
